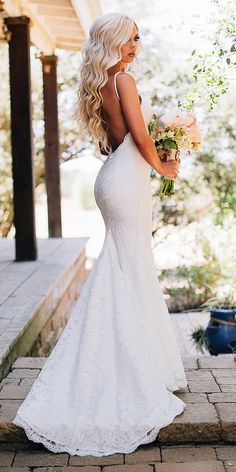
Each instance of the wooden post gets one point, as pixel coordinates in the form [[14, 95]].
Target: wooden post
[[21, 138], [52, 145]]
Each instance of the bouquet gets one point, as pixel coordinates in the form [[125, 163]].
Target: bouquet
[[171, 133]]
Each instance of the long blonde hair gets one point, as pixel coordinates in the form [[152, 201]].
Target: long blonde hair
[[101, 51]]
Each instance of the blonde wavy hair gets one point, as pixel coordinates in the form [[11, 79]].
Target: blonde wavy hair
[[101, 51]]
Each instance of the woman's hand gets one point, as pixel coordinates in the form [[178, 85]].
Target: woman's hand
[[170, 169]]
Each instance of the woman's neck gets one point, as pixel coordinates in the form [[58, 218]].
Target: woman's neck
[[120, 66]]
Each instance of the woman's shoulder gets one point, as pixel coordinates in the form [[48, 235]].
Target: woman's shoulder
[[127, 84], [122, 73], [124, 78]]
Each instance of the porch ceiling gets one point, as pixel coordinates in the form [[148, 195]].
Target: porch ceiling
[[55, 23]]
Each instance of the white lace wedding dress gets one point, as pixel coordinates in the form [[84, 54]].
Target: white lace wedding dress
[[108, 384]]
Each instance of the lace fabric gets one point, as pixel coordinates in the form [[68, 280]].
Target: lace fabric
[[108, 384]]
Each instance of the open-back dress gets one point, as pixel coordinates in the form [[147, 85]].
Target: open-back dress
[[107, 386]]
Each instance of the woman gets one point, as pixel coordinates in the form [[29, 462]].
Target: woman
[[108, 384]]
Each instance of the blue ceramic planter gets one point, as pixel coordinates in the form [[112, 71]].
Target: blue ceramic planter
[[221, 331]]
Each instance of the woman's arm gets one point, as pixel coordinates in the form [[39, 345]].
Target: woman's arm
[[134, 118]]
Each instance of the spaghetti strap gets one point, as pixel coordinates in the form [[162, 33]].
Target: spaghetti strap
[[140, 97], [115, 83]]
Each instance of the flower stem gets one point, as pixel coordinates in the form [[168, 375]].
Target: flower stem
[[168, 187]]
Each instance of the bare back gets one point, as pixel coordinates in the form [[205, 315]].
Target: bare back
[[111, 112]]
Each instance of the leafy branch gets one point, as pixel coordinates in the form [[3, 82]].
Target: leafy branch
[[212, 70]]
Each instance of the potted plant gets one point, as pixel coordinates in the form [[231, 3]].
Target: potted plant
[[219, 337], [200, 340]]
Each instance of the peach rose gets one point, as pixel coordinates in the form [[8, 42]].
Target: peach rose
[[195, 133]]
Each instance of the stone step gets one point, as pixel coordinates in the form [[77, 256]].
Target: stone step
[[209, 417], [37, 296]]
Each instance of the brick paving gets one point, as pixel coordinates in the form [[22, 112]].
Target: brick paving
[[151, 458], [184, 324]]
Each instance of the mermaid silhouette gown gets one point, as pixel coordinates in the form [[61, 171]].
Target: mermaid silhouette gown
[[107, 386]]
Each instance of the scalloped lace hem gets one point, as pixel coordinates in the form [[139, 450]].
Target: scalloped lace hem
[[147, 437]]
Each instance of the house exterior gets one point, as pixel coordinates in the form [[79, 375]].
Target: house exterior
[[48, 25]]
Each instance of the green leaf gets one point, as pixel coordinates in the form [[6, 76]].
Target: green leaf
[[160, 124], [170, 144], [228, 60]]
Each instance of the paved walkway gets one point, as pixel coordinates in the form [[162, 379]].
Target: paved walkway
[[184, 325], [148, 458]]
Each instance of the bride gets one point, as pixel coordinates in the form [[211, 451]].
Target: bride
[[108, 384]]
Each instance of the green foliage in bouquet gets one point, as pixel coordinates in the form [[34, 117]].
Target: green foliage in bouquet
[[168, 187]]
